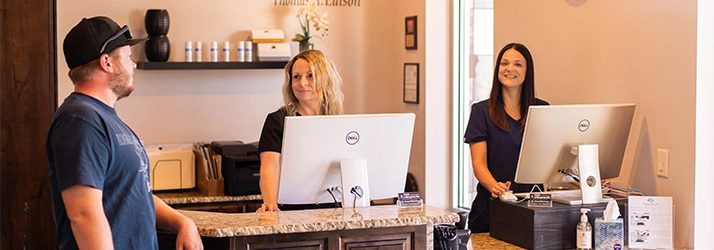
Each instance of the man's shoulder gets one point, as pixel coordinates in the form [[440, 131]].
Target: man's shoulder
[[81, 107]]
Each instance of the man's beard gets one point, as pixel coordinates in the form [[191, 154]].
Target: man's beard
[[121, 85]]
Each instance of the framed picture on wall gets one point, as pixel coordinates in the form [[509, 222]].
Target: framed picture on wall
[[411, 82], [410, 32]]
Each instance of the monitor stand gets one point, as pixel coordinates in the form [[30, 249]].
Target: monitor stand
[[355, 184], [588, 165]]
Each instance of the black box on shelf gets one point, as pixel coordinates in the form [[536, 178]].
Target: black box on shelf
[[240, 167], [543, 227]]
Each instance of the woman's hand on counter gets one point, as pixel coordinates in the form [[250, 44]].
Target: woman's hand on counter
[[268, 207]]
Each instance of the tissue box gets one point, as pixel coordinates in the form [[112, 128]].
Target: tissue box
[[609, 235]]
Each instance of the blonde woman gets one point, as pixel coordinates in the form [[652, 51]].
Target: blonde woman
[[312, 87]]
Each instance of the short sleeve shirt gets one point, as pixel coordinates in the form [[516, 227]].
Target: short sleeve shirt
[[88, 144], [271, 138], [503, 148]]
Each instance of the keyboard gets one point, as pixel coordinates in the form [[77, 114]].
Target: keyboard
[[569, 197]]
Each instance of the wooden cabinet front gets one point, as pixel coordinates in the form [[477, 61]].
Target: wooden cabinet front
[[388, 238]]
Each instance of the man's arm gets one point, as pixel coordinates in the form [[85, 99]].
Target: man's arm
[[168, 219], [86, 213]]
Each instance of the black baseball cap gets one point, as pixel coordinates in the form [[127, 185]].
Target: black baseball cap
[[92, 37]]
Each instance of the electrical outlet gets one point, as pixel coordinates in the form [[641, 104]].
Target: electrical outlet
[[662, 163]]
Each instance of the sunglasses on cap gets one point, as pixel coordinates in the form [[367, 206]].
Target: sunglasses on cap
[[124, 31]]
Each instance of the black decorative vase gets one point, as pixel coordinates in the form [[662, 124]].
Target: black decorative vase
[[156, 22], [157, 48]]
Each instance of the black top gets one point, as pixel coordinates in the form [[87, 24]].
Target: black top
[[271, 138], [503, 148]]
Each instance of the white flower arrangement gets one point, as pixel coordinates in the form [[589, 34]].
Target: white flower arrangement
[[306, 16]]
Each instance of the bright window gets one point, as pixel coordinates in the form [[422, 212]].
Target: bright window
[[475, 56]]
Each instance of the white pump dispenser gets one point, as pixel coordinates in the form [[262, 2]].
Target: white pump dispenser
[[585, 231]]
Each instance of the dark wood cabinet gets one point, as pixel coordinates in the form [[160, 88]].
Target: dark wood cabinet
[[388, 238], [28, 99]]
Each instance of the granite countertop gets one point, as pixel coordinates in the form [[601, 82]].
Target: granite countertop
[[485, 241], [212, 224], [194, 197]]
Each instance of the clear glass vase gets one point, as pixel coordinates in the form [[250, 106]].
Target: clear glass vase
[[305, 46]]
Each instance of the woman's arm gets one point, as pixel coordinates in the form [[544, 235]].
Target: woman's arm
[[269, 174], [480, 164]]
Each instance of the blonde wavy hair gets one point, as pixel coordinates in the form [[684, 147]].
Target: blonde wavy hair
[[328, 84]]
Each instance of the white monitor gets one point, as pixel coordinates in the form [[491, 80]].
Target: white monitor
[[552, 131], [313, 147]]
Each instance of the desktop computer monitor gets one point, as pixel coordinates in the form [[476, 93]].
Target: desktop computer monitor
[[313, 147], [552, 131]]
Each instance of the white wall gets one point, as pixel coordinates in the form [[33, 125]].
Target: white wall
[[621, 51], [179, 106]]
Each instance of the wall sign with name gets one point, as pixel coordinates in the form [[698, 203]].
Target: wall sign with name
[[339, 3]]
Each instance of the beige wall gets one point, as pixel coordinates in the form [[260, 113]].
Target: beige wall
[[180, 106], [642, 52]]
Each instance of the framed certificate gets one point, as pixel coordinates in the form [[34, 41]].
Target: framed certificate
[[411, 82], [410, 32]]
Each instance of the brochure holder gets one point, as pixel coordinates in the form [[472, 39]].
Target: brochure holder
[[206, 186]]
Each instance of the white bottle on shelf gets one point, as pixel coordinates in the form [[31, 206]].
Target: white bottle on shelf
[[241, 51], [248, 51], [226, 51], [189, 51], [214, 52], [199, 52]]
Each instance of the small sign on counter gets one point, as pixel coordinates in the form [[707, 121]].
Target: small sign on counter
[[409, 199]]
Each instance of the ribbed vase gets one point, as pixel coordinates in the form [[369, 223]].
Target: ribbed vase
[[158, 47]]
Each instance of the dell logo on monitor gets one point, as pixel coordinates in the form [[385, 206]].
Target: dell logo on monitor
[[352, 138], [584, 125]]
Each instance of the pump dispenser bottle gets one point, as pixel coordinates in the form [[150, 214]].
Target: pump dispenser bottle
[[585, 231]]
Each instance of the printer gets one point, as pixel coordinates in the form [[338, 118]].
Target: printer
[[240, 166], [172, 166]]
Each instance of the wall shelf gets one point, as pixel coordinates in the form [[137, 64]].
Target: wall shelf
[[209, 65]]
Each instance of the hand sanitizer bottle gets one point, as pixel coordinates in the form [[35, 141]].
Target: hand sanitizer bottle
[[585, 231]]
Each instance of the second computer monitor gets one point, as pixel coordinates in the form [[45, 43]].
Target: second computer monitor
[[313, 147], [552, 131]]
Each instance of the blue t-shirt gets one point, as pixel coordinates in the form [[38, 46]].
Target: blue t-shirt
[[503, 148], [88, 144]]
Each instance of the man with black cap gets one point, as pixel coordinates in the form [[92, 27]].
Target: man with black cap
[[99, 178]]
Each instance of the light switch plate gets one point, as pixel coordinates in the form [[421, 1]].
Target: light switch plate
[[662, 167]]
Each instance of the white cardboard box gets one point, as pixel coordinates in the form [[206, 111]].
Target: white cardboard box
[[267, 36], [271, 52]]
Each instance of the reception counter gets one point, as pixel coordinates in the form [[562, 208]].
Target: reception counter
[[194, 200], [337, 228]]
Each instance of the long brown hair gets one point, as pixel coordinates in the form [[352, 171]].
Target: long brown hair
[[496, 109], [327, 83]]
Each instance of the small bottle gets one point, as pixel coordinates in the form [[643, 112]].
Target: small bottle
[[199, 52], [189, 51], [584, 231], [248, 51], [214, 52], [226, 51], [241, 51]]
